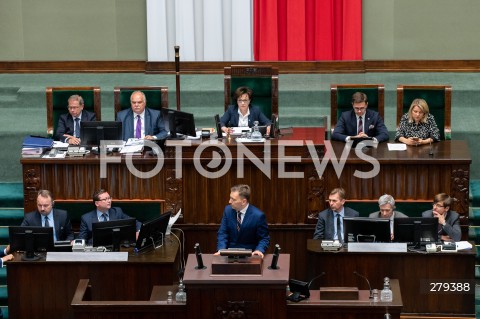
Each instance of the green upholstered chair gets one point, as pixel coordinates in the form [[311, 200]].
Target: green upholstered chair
[[438, 98], [341, 99], [263, 80], [57, 103], [157, 97]]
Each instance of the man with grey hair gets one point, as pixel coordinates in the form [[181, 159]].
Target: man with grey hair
[[68, 128], [387, 210]]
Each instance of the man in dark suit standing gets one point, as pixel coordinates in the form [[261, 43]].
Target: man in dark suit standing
[[330, 221], [360, 122], [103, 212], [68, 128], [243, 225], [448, 220], [140, 121], [47, 216]]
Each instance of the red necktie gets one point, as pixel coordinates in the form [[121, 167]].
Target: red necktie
[[239, 220], [360, 125]]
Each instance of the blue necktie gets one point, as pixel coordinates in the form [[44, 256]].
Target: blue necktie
[[47, 224], [339, 228], [77, 127], [239, 220]]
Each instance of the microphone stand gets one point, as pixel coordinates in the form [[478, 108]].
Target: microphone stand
[[315, 278], [368, 282], [177, 75], [431, 148]]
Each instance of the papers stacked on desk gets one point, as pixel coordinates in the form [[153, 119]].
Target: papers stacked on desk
[[32, 152], [134, 146], [249, 140], [34, 146]]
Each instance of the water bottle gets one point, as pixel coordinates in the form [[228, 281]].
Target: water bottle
[[181, 296], [256, 135], [386, 293], [169, 297]]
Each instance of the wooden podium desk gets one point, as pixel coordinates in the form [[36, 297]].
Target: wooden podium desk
[[223, 296], [411, 175], [415, 272], [41, 289], [363, 308]]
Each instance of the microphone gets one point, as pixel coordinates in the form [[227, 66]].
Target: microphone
[[315, 278], [198, 254], [368, 282], [275, 257], [431, 148]]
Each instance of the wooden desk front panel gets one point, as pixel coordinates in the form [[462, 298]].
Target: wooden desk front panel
[[414, 272], [42, 289]]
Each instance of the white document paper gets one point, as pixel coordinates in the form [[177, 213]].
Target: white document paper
[[397, 147]]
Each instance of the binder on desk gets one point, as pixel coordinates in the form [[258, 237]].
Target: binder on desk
[[34, 141]]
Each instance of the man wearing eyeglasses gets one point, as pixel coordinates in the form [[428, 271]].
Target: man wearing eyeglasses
[[47, 216], [103, 212], [243, 113], [360, 122], [68, 128], [448, 220]]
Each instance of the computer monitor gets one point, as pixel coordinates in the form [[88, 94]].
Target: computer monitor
[[364, 229], [30, 239], [91, 133], [416, 231], [152, 232], [178, 122], [114, 233]]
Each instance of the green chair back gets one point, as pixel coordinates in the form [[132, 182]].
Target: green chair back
[[57, 103], [341, 99], [438, 99], [262, 80], [157, 97]]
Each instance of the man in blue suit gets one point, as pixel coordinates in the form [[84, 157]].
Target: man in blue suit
[[47, 216], [243, 225], [140, 121], [330, 221], [103, 212], [67, 130], [360, 122]]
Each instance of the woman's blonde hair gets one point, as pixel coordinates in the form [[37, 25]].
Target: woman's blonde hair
[[422, 104]]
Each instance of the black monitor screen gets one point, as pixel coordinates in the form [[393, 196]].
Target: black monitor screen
[[114, 233], [416, 231], [91, 133], [152, 232], [178, 122], [359, 229], [31, 239]]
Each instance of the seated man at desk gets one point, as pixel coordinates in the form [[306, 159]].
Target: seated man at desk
[[68, 128], [326, 227], [386, 203], [448, 220], [243, 225], [103, 212], [140, 121], [360, 122], [47, 216], [243, 113]]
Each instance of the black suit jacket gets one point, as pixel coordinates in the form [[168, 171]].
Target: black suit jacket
[[114, 213], [66, 125], [63, 227], [231, 117], [373, 124], [325, 228]]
